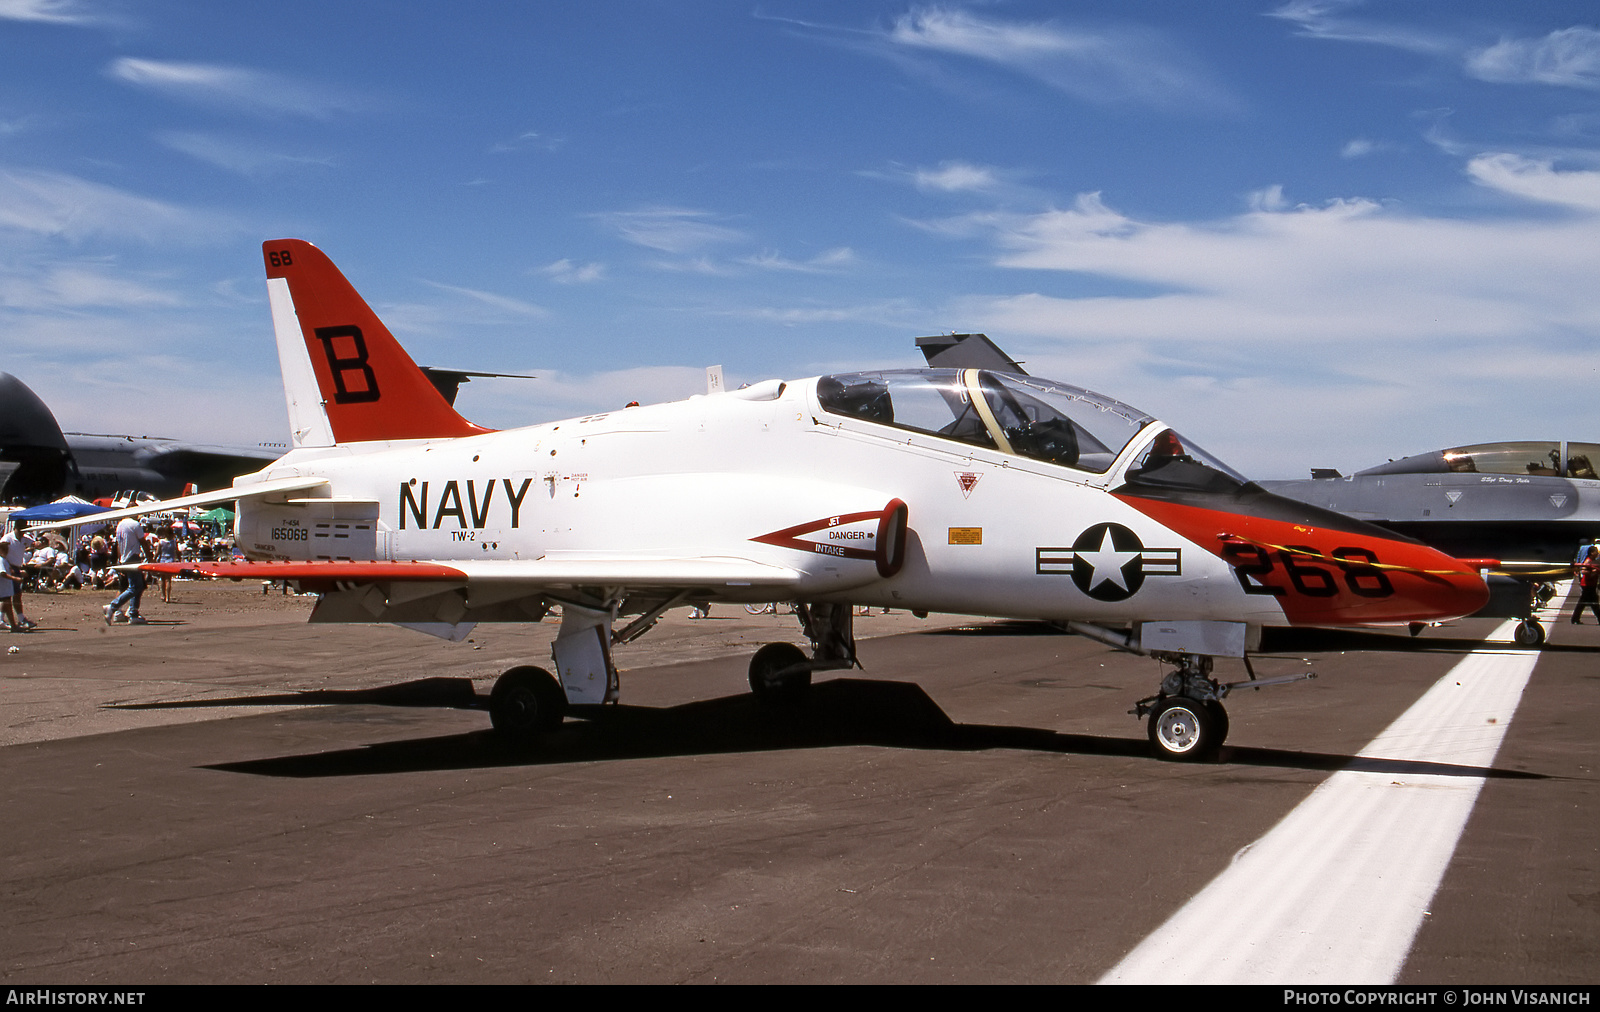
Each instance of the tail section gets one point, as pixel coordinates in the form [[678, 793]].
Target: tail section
[[345, 376]]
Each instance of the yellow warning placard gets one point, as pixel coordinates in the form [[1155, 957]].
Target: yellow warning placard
[[966, 535]]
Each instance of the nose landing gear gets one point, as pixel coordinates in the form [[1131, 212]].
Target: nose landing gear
[[1187, 720]]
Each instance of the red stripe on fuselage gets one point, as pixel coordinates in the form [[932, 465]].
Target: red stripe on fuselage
[[1325, 576]]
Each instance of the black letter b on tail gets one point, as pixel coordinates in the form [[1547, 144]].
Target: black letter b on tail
[[340, 366]]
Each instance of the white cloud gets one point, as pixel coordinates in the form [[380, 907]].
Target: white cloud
[[670, 229], [243, 157], [69, 288], [955, 177], [1569, 57], [528, 139], [1347, 269], [63, 206], [1358, 147], [557, 394], [823, 263], [1268, 199], [1321, 19], [253, 91], [888, 313], [505, 303], [1336, 328], [1536, 180], [565, 272], [1106, 65], [59, 12]]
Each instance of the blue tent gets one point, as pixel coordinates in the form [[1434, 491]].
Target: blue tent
[[59, 511]]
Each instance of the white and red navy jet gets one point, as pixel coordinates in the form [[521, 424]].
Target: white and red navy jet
[[964, 491]]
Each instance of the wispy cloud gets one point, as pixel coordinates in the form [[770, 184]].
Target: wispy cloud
[[674, 230], [1537, 180], [887, 313], [501, 302], [1568, 58], [57, 12], [1357, 147], [59, 205], [528, 140], [828, 262], [956, 177], [1324, 19], [1124, 64], [565, 272], [76, 287], [565, 393], [247, 158], [254, 91]]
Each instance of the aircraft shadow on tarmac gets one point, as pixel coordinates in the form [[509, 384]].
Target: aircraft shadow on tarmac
[[1277, 640], [840, 712]]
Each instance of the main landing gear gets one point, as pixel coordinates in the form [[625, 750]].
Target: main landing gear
[[526, 704], [1187, 720], [529, 703], [780, 673], [1529, 632]]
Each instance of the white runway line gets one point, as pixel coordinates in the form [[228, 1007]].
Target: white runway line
[[1337, 890]]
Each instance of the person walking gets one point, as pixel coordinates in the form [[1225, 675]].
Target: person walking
[[1588, 585], [130, 551]]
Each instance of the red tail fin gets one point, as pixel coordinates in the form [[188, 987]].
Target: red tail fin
[[367, 387]]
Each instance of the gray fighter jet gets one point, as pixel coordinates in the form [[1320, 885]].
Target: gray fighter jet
[[1525, 506]]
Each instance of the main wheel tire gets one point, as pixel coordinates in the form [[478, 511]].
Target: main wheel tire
[[526, 704], [767, 687], [1529, 634], [1184, 730]]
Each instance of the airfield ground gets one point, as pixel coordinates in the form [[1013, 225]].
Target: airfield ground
[[975, 806]]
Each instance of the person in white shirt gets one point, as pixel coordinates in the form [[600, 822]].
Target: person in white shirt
[[130, 550], [14, 549]]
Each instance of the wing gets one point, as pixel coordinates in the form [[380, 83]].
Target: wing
[[454, 593]]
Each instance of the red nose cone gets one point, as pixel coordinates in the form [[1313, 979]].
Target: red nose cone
[[1348, 574]]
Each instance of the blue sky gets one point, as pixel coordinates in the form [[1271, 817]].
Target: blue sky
[[1307, 233]]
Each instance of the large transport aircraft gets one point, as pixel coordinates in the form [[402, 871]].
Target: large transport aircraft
[[963, 490]]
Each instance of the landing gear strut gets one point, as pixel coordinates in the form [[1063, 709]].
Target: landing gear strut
[[1187, 720], [780, 673]]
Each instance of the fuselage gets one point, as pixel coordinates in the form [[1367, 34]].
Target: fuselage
[[771, 475]]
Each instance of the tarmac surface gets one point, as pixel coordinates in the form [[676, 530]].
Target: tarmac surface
[[975, 806]]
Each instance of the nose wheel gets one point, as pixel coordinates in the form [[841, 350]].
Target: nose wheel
[[1187, 721], [1187, 730]]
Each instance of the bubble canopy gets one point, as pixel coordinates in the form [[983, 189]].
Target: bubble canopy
[[1023, 415]]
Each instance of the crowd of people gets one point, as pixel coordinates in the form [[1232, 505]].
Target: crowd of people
[[48, 562]]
